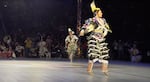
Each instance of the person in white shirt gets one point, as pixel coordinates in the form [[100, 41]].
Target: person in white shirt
[[19, 50], [43, 51]]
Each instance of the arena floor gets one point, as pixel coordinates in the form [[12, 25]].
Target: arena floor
[[56, 70]]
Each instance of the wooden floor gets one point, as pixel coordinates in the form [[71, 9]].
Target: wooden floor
[[64, 71]]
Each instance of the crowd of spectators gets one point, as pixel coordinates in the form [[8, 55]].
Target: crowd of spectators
[[25, 44], [133, 51]]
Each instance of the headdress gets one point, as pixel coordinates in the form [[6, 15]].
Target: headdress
[[93, 7], [69, 30]]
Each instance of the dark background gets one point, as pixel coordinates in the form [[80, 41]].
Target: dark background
[[128, 19]]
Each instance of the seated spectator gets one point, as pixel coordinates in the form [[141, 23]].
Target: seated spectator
[[43, 51], [19, 50], [135, 54]]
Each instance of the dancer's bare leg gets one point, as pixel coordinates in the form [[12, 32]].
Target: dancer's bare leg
[[71, 57], [90, 67], [104, 67]]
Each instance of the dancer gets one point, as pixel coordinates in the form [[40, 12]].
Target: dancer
[[71, 44], [96, 29]]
